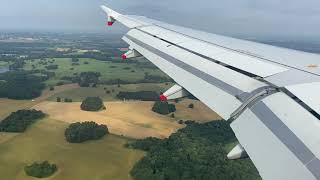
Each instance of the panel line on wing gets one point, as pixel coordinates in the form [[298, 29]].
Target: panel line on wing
[[202, 75], [287, 137], [240, 51], [203, 56]]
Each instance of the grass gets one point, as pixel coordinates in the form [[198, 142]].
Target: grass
[[3, 64], [101, 159], [108, 70], [81, 93]]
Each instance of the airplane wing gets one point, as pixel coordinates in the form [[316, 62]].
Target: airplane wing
[[270, 95]]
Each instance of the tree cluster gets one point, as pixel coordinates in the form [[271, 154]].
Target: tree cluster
[[19, 121], [74, 59], [196, 152], [92, 104], [40, 169], [155, 79], [52, 67], [163, 108], [139, 95], [88, 78], [80, 132], [20, 85]]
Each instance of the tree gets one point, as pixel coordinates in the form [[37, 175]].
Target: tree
[[40, 169], [67, 100], [19, 121], [139, 95], [87, 78], [75, 60], [92, 104], [196, 152], [20, 85], [80, 132], [164, 108], [52, 67]]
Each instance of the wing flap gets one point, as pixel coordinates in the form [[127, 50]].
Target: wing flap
[[276, 123]]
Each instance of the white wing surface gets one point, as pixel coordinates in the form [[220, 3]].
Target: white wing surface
[[270, 95]]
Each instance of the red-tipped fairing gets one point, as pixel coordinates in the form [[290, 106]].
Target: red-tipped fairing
[[110, 23], [124, 57], [130, 54], [163, 98]]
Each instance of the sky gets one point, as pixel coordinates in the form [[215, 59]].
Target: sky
[[240, 18]]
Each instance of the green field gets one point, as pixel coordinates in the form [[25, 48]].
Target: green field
[[81, 93], [108, 70], [94, 160], [3, 64]]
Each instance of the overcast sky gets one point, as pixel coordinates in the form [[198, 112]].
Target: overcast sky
[[246, 18]]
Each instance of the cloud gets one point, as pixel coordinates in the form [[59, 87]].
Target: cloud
[[247, 18]]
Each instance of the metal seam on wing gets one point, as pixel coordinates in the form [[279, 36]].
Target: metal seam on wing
[[287, 137], [196, 72]]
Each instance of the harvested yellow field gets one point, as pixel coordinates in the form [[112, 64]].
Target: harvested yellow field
[[8, 105], [4, 137], [131, 119], [200, 113]]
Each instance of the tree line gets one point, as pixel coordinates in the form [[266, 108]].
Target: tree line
[[196, 152]]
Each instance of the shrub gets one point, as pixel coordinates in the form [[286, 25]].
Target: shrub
[[163, 107], [92, 104], [40, 170], [172, 115], [51, 88], [80, 132], [58, 99], [19, 121], [191, 106]]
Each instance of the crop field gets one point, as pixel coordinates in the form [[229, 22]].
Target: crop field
[[99, 160], [108, 70]]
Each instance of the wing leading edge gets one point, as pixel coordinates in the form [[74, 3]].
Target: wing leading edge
[[273, 118]]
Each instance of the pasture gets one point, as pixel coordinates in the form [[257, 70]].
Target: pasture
[[101, 159]]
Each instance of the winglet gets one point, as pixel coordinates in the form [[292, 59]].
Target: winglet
[[112, 15]]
